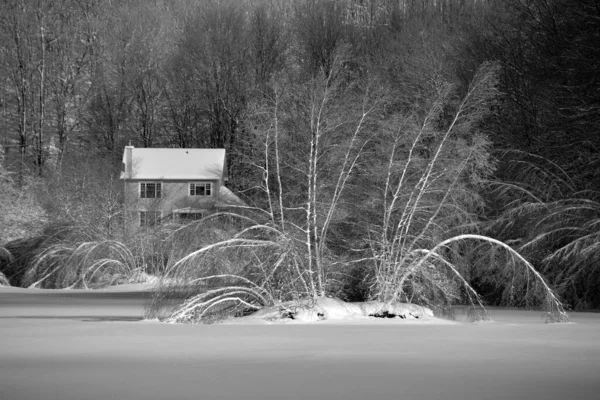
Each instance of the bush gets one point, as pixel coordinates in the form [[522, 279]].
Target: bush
[[229, 272], [17, 256], [67, 256], [20, 214], [4, 280], [554, 224]]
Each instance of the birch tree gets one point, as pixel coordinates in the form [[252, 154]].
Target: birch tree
[[311, 138], [425, 207]]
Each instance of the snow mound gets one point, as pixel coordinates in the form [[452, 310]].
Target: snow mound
[[334, 309]]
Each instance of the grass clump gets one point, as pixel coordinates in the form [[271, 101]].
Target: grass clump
[[238, 272], [4, 280], [554, 223], [217, 303], [6, 258], [66, 256]]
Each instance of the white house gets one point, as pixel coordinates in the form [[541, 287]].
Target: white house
[[174, 183]]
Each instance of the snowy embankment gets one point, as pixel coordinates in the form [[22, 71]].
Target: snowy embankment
[[124, 301], [85, 345], [330, 310]]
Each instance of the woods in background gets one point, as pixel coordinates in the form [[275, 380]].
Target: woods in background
[[375, 89]]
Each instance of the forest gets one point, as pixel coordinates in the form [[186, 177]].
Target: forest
[[436, 152]]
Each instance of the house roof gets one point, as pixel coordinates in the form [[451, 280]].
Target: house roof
[[228, 199], [149, 163]]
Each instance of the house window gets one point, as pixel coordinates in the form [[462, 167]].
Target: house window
[[200, 189], [149, 218], [150, 190]]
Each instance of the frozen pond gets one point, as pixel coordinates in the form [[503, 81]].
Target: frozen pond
[[92, 345]]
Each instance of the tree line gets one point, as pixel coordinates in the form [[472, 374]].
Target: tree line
[[310, 97]]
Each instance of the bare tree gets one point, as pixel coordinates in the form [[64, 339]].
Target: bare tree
[[411, 248], [318, 131]]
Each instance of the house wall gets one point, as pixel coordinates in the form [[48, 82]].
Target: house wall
[[175, 195]]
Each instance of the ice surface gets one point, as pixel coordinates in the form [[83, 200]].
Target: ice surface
[[92, 345]]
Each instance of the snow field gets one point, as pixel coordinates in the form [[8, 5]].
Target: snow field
[[92, 345]]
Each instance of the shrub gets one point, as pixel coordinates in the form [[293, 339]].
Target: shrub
[[256, 266], [4, 280], [67, 256], [430, 196], [20, 214], [17, 256], [554, 224]]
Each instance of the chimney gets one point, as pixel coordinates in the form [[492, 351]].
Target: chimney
[[128, 161]]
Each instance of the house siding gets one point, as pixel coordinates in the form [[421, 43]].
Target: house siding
[[174, 169], [175, 195]]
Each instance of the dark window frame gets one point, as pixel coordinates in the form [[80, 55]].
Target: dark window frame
[[150, 190], [205, 189]]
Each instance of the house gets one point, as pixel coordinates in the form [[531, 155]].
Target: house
[[179, 184]]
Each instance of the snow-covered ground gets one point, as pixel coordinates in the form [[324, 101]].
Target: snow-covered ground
[[93, 345]]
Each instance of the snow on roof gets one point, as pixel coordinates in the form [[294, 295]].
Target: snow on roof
[[227, 199], [152, 163]]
